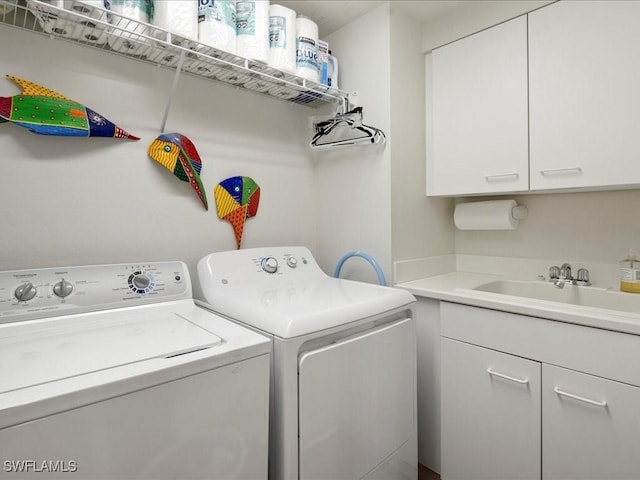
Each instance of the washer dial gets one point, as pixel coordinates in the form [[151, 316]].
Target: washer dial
[[25, 292], [141, 282], [62, 289]]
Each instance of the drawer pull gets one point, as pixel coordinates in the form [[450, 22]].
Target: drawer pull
[[559, 171], [501, 176], [579, 398], [493, 373]]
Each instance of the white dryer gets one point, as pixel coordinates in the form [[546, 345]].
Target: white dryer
[[343, 387], [113, 372]]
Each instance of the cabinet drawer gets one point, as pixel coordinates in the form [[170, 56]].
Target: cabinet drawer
[[590, 427], [595, 351]]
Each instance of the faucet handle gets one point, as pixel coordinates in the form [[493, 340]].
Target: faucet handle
[[582, 277], [554, 272]]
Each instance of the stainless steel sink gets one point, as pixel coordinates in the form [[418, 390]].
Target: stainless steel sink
[[570, 294]]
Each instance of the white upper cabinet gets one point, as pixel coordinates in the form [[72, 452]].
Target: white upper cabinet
[[584, 93], [479, 113]]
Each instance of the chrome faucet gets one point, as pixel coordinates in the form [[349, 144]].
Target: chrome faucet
[[560, 276], [565, 272]]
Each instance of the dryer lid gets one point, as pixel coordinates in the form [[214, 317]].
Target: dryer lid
[[293, 310], [42, 352]]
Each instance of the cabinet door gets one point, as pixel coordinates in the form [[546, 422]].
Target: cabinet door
[[490, 414], [479, 113], [591, 427], [584, 72]]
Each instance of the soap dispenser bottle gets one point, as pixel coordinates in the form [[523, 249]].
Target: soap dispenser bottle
[[630, 273]]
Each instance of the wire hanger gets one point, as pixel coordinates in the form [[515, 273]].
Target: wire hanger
[[345, 129]]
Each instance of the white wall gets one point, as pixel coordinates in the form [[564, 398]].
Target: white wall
[[421, 226], [598, 227], [353, 183], [73, 201]]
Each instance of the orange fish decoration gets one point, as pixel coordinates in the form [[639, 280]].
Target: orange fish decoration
[[179, 155], [237, 199], [46, 112]]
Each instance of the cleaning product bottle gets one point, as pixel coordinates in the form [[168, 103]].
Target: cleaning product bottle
[[630, 273]]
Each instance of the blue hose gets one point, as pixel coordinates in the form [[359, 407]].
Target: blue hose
[[368, 258]]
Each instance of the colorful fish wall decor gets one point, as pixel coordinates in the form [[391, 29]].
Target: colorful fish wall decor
[[237, 199], [46, 112], [179, 155]]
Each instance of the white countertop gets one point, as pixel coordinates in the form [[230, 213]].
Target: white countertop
[[458, 287]]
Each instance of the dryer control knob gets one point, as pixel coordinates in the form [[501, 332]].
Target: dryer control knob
[[270, 264], [292, 262], [62, 289], [25, 292]]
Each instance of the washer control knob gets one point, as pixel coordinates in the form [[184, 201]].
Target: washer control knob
[[62, 289], [292, 262], [141, 281], [25, 292], [270, 264]]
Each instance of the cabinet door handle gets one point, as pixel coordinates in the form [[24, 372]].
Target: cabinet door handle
[[501, 176], [551, 171], [580, 399], [493, 373]]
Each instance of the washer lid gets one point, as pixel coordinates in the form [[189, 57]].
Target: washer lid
[[46, 351]]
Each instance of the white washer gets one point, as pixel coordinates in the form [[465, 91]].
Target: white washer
[[113, 372], [343, 402]]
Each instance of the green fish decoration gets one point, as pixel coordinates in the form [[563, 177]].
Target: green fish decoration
[[46, 112]]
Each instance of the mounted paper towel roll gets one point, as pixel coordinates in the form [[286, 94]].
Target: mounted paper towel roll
[[252, 29], [282, 38], [217, 24], [177, 16], [127, 37], [489, 215], [307, 65]]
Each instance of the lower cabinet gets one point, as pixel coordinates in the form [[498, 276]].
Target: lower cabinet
[[523, 414], [590, 427], [490, 414]]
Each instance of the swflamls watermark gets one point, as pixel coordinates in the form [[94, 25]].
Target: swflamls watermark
[[40, 466]]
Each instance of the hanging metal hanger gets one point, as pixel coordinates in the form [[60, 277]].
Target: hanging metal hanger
[[345, 129]]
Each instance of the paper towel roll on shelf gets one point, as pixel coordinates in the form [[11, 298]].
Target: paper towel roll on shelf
[[307, 49], [129, 36], [8, 7], [282, 38], [252, 29], [179, 17], [489, 215], [87, 31], [52, 21], [217, 24]]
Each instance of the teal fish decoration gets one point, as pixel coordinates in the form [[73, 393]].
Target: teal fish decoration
[[46, 112]]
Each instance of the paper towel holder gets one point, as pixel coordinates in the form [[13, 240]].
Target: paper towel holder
[[489, 215], [519, 212]]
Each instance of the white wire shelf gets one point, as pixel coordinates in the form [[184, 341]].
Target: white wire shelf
[[109, 31]]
